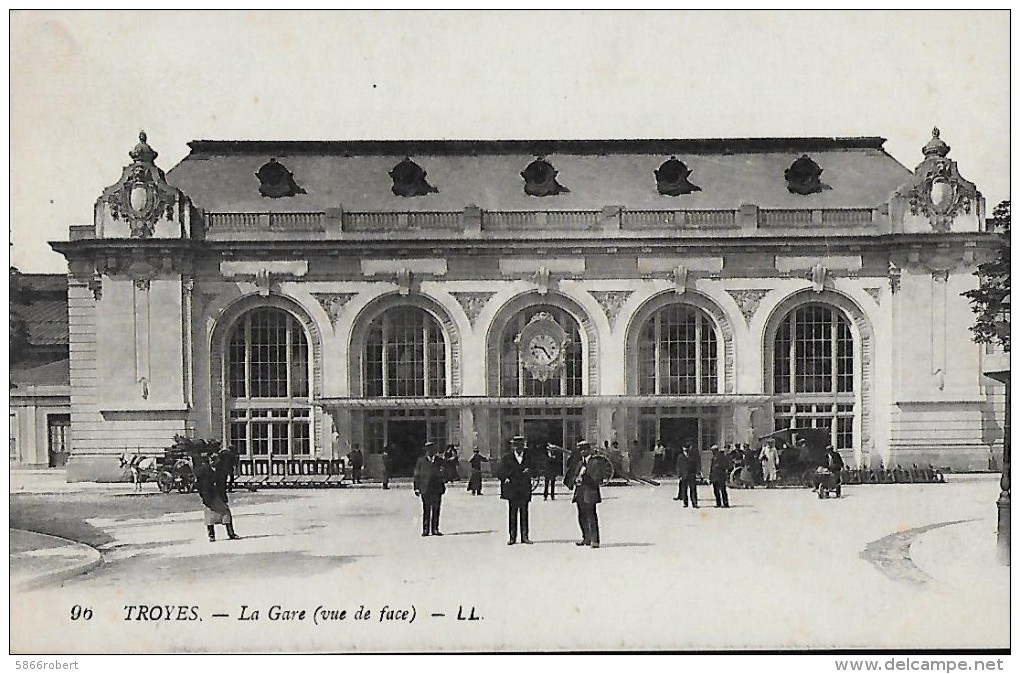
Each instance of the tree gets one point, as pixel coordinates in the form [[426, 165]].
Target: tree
[[990, 300]]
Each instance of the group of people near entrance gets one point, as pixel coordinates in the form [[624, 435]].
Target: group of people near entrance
[[746, 466], [515, 472]]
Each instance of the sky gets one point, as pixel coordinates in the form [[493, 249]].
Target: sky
[[84, 83]]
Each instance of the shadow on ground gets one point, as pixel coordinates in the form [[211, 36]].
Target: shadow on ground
[[218, 564]]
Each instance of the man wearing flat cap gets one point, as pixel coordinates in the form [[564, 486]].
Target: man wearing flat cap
[[515, 487], [430, 485], [587, 496]]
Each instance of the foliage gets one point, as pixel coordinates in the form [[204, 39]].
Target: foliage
[[193, 446], [990, 300]]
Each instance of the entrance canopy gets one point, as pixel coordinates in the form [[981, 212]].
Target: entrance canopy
[[394, 403]]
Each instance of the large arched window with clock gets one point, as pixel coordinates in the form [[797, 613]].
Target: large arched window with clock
[[540, 354]]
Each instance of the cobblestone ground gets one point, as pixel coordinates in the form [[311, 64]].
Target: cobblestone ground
[[887, 566]]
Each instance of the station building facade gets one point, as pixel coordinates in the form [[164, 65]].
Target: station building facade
[[294, 299]]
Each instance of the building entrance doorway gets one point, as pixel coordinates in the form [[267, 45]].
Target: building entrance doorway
[[406, 441], [675, 433], [562, 427]]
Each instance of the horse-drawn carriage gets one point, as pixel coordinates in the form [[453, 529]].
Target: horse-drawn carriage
[[174, 469]]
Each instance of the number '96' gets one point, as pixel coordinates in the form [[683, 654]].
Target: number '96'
[[79, 612]]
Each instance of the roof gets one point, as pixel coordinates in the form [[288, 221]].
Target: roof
[[43, 283], [46, 321], [219, 176], [51, 374]]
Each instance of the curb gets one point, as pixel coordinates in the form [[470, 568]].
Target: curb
[[38, 580]]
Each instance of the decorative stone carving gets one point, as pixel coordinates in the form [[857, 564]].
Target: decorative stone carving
[[96, 286], [804, 177], [876, 294], [671, 179], [333, 303], [263, 281], [819, 274], [409, 180], [276, 181], [748, 300], [940, 275], [894, 277], [142, 196], [540, 179], [404, 280], [680, 277], [612, 302], [542, 279], [473, 303], [937, 190]]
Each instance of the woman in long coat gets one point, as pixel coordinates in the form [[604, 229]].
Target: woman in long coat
[[475, 479], [212, 488]]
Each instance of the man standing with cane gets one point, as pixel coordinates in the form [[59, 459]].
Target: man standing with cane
[[587, 496]]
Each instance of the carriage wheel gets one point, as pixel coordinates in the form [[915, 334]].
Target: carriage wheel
[[165, 481], [605, 468]]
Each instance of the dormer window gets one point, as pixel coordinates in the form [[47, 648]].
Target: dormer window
[[671, 178], [409, 180], [277, 181], [540, 179], [804, 177]]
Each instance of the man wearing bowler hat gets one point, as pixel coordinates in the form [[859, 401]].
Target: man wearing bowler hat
[[587, 496], [430, 485], [515, 487]]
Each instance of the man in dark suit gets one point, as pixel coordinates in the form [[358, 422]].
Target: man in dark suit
[[718, 473], [357, 460], [587, 496], [430, 485], [551, 466], [387, 466], [515, 487], [688, 465]]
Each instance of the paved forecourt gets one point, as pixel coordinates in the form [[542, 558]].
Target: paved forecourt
[[887, 566]]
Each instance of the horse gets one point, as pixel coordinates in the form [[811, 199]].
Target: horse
[[142, 467]]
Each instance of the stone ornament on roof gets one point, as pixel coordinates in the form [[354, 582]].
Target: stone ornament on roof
[[804, 177], [409, 180], [142, 196], [937, 190], [540, 179], [276, 181], [671, 179]]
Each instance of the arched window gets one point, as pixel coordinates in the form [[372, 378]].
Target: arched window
[[405, 355], [678, 353], [813, 372], [267, 386], [516, 379]]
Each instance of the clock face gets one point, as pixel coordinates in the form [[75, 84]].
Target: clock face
[[543, 349]]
